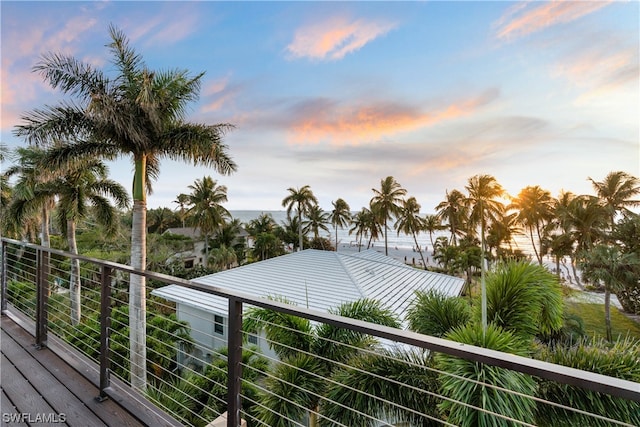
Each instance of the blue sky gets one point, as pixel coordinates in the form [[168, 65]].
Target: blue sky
[[339, 95]]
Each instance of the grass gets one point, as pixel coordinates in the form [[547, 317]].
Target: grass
[[593, 316]]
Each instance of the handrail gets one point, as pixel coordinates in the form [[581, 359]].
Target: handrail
[[561, 374]]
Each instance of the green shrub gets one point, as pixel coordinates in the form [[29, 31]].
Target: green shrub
[[470, 383], [433, 313], [621, 360]]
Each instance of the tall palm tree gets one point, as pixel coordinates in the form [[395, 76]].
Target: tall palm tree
[[31, 170], [359, 225], [140, 114], [410, 222], [503, 230], [340, 216], [535, 209], [432, 224], [302, 199], [453, 211], [562, 225], [617, 192], [83, 185], [483, 208], [614, 269], [589, 220], [373, 225], [317, 219], [182, 200], [206, 211], [387, 203]]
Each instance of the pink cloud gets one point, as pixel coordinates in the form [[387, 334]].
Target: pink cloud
[[519, 21], [324, 121], [600, 65], [335, 38]]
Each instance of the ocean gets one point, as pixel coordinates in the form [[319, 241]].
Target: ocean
[[395, 240]]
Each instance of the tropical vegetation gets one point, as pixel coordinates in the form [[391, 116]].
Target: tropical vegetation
[[58, 193]]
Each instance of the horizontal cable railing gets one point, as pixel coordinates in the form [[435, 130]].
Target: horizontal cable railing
[[301, 367]]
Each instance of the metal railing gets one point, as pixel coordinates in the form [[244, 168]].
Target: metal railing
[[33, 280]]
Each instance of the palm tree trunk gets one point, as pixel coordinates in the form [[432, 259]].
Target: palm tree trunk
[[206, 251], [575, 272], [533, 245], [299, 228], [336, 238], [607, 312], [415, 240], [386, 248], [45, 240], [137, 283], [74, 276], [483, 286]]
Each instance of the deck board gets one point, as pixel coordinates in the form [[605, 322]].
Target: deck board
[[39, 382]]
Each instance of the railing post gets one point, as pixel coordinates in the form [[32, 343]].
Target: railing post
[[105, 325], [42, 297], [3, 277], [234, 381]]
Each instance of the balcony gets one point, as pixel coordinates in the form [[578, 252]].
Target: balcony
[[82, 369]]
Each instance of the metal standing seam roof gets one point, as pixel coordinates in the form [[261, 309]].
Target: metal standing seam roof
[[320, 280]]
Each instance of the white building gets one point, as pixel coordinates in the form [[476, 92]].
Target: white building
[[315, 279]]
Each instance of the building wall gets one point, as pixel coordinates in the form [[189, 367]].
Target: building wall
[[207, 338]]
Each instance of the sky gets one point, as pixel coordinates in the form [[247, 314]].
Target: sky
[[340, 95]]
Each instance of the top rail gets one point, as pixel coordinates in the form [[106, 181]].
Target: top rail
[[562, 374]]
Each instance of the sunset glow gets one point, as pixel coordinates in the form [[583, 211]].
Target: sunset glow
[[339, 95]]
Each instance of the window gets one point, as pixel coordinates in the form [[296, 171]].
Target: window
[[218, 324], [253, 339]]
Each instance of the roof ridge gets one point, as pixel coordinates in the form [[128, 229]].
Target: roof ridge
[[347, 270]]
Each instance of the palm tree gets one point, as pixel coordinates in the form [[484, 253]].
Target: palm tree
[[317, 219], [589, 220], [206, 211], [76, 189], [229, 236], [617, 192], [160, 219], [483, 207], [535, 209], [432, 224], [606, 264], [454, 212], [373, 225], [82, 185], [386, 203], [340, 216], [433, 313], [410, 222], [140, 114], [518, 291], [459, 382], [264, 223], [359, 225], [32, 173], [502, 231], [182, 201], [310, 354], [562, 225], [302, 199]]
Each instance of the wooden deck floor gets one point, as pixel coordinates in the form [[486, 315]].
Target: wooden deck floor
[[39, 387]]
